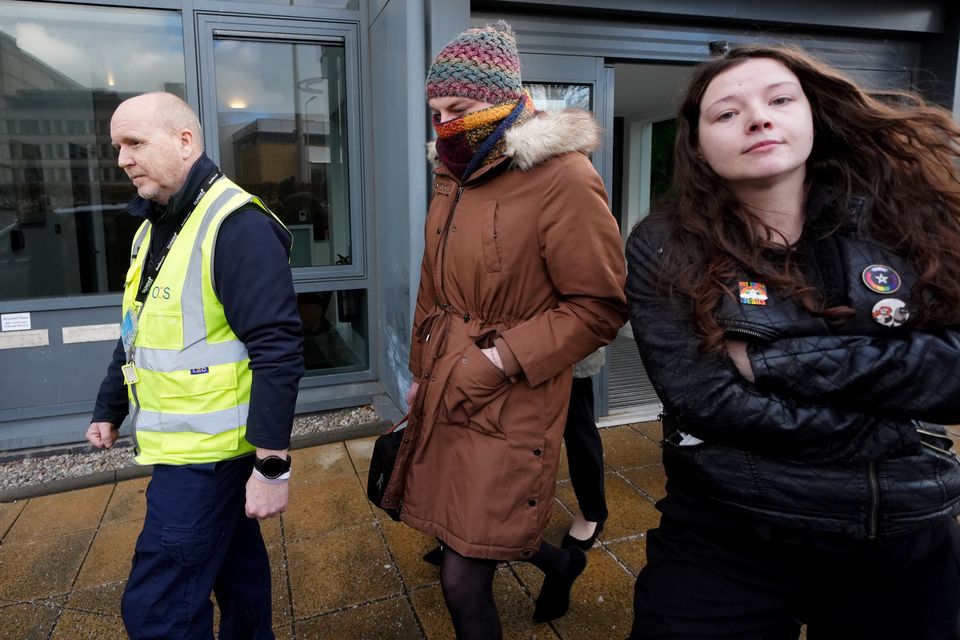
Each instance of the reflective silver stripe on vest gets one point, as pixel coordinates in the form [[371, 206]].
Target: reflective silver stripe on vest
[[210, 423], [196, 356], [139, 241], [197, 353], [191, 299]]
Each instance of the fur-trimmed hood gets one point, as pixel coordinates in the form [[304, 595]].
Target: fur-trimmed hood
[[544, 136]]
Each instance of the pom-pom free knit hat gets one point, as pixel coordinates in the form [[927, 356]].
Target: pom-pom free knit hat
[[481, 64]]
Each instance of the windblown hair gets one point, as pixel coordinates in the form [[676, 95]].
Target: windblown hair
[[891, 148]]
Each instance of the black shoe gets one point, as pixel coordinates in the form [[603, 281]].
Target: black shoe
[[554, 598], [434, 556], [586, 545]]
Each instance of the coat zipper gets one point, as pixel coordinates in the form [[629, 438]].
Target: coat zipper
[[443, 248], [873, 499]]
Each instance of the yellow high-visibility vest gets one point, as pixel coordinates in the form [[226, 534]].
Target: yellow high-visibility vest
[[189, 404]]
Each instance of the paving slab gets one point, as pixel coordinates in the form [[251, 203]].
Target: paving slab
[[515, 604], [9, 512], [631, 553], [102, 599], [432, 613], [361, 451], [279, 587], [129, 501], [54, 515], [272, 531], [110, 554], [339, 570], [651, 480], [652, 429], [627, 448], [407, 547], [30, 620], [629, 511], [320, 507], [601, 602], [320, 464], [77, 625], [44, 568], [390, 619]]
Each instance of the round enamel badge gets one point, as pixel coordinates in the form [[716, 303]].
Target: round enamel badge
[[881, 279], [891, 312]]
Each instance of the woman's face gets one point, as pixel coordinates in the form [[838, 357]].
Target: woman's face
[[450, 107], [756, 127]]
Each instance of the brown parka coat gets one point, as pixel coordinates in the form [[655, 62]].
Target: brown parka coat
[[526, 255]]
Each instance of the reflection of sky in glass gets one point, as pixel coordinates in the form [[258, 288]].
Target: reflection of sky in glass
[[128, 50], [555, 97], [264, 80]]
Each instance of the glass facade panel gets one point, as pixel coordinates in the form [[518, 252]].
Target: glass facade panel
[[63, 71], [334, 331], [282, 114], [325, 4], [555, 96]]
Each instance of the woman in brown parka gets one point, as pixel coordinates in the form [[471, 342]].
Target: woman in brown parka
[[522, 276]]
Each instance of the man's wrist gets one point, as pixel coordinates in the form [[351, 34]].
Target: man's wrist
[[281, 479], [272, 466]]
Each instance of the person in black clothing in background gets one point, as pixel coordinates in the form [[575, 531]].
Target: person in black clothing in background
[[796, 304], [585, 456]]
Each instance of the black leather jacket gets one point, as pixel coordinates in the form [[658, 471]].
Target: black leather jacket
[[840, 432]]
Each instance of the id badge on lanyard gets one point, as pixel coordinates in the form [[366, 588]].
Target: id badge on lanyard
[[128, 333]]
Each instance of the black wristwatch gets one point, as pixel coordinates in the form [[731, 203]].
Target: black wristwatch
[[272, 467]]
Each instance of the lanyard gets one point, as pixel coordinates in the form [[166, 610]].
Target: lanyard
[[150, 275]]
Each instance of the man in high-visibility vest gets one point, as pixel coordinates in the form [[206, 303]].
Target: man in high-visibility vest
[[207, 367]]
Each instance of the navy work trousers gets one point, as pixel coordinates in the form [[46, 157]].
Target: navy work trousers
[[197, 540], [585, 452]]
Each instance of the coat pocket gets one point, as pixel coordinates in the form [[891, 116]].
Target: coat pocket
[[475, 393], [490, 242]]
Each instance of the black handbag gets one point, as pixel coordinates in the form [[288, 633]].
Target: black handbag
[[382, 461]]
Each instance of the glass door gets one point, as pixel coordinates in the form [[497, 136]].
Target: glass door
[[280, 106]]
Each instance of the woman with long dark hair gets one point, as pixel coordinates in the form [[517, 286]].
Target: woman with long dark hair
[[796, 303]]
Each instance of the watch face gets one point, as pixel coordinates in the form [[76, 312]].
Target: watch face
[[271, 466]]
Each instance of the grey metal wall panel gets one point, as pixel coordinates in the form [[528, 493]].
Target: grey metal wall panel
[[399, 120], [918, 16], [628, 40], [35, 377]]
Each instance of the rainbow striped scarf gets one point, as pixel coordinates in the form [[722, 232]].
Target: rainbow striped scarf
[[475, 140]]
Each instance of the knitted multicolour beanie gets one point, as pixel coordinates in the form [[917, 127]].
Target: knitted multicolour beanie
[[482, 64]]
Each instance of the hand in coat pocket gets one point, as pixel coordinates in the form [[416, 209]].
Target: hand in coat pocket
[[475, 393]]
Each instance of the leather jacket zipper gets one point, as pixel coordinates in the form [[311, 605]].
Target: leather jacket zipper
[[873, 499], [949, 454], [736, 328]]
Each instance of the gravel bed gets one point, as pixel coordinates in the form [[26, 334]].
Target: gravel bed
[[39, 467]]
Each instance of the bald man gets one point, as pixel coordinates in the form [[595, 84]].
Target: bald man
[[207, 368]]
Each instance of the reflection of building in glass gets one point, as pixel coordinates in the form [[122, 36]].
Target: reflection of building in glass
[[286, 162], [266, 150], [62, 229]]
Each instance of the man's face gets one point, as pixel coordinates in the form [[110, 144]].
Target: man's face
[[154, 158]]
